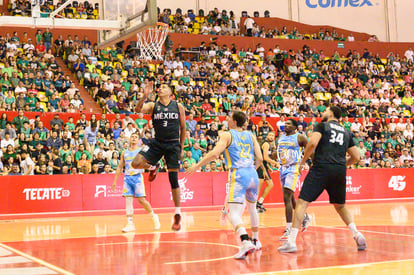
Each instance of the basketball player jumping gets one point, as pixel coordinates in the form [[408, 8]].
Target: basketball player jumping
[[133, 184], [168, 117], [331, 141], [243, 156]]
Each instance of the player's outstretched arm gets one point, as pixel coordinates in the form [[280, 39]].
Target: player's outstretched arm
[[266, 156], [222, 144], [257, 153], [183, 128], [353, 156], [118, 171], [148, 107], [310, 147]]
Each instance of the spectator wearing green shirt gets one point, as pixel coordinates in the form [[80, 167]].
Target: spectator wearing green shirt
[[82, 150], [47, 39], [19, 120], [38, 36], [190, 158], [188, 141], [141, 122], [347, 124], [321, 107]]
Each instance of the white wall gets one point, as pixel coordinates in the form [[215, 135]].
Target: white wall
[[389, 19]]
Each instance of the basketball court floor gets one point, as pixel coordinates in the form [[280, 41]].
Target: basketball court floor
[[92, 243]]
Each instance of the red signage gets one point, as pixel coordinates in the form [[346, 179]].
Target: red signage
[[28, 194], [44, 194], [196, 190]]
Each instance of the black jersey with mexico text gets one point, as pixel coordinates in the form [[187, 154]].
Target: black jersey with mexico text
[[333, 145], [166, 121]]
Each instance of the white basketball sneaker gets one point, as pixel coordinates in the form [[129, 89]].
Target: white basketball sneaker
[[156, 221], [306, 222], [360, 241], [130, 227], [246, 248], [288, 247]]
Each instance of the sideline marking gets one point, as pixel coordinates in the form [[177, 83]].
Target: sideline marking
[[213, 207], [368, 231], [332, 267], [182, 242], [37, 260]]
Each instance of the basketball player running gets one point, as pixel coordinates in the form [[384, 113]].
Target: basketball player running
[[133, 184], [289, 151], [168, 119], [263, 171], [243, 156], [332, 142]]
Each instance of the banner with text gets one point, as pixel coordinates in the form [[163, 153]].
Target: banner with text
[[30, 194]]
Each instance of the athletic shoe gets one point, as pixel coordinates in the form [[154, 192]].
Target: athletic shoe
[[259, 207], [288, 247], [257, 244], [285, 235], [360, 241], [177, 222], [156, 221], [223, 216], [306, 222], [153, 172], [130, 227], [246, 248]]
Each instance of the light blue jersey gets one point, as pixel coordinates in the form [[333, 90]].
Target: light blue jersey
[[289, 154], [240, 153], [133, 179], [243, 177]]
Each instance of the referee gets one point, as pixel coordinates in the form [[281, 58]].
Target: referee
[[332, 142]]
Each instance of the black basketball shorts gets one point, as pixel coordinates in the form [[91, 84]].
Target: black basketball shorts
[[262, 173], [156, 149], [331, 178]]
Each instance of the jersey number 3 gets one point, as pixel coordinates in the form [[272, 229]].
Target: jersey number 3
[[337, 137], [165, 123]]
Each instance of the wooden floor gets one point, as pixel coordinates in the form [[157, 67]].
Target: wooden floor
[[92, 243]]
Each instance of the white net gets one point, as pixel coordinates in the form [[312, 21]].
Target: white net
[[150, 42]]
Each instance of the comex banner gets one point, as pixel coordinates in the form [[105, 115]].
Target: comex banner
[[313, 4], [31, 194]]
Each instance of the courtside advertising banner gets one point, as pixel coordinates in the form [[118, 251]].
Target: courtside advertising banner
[[29, 194], [196, 190]]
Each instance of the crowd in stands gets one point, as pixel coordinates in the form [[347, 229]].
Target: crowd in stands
[[222, 23], [31, 79], [276, 82], [77, 10]]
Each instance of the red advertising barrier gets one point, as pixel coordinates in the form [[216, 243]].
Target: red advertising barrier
[[28, 194], [195, 190]]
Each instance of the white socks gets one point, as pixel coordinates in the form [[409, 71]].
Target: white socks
[[178, 210], [130, 219], [293, 234], [289, 225], [352, 228], [261, 200], [152, 214], [241, 231], [255, 235]]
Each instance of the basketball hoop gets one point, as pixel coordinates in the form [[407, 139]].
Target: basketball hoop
[[150, 42]]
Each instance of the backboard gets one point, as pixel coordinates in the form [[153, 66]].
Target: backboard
[[133, 15]]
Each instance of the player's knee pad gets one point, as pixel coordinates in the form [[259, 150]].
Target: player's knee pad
[[173, 177], [129, 206], [235, 214], [254, 217]]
